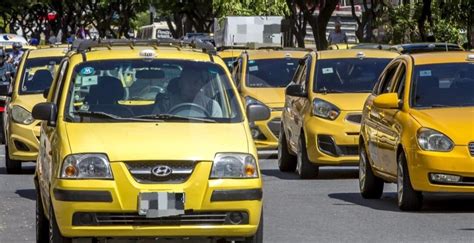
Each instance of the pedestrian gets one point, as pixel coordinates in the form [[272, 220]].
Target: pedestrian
[[7, 71], [337, 36]]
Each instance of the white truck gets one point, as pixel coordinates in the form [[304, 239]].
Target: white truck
[[241, 30]]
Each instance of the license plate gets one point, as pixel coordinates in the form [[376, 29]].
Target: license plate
[[160, 204]]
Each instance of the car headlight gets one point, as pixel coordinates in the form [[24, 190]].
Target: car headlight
[[86, 166], [432, 140], [21, 115], [234, 165], [252, 101], [325, 109]]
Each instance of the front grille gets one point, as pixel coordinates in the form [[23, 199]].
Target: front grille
[[274, 126], [327, 145], [141, 171], [133, 219], [471, 148], [354, 118]]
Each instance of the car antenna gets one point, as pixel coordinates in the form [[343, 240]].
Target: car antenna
[[446, 45]]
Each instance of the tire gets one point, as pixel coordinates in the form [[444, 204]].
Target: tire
[[258, 237], [13, 166], [408, 199], [55, 235], [286, 161], [371, 187], [42, 224], [304, 168], [2, 130]]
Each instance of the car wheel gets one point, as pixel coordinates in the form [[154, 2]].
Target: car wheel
[[286, 161], [371, 187], [2, 130], [42, 225], [258, 237], [304, 168], [13, 166], [408, 199], [54, 233]]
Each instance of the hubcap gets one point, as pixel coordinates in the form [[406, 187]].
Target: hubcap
[[400, 183], [362, 170]]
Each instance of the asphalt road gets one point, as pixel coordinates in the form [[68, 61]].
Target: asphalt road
[[328, 209]]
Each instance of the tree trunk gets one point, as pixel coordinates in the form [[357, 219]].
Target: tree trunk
[[322, 21], [425, 14]]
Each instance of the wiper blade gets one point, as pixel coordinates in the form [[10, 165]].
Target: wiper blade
[[174, 117], [101, 114]]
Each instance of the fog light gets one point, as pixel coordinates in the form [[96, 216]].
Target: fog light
[[444, 178], [86, 219], [255, 132], [236, 217]]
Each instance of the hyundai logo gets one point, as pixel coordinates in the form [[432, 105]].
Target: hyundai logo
[[161, 171]]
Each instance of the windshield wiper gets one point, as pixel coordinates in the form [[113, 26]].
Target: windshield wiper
[[171, 117], [101, 114]]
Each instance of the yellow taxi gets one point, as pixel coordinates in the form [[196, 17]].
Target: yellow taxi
[[323, 108], [418, 128], [261, 77], [34, 76], [183, 166]]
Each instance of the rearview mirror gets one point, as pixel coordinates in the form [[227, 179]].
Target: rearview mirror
[[5, 89], [296, 90], [387, 101], [257, 112], [45, 111]]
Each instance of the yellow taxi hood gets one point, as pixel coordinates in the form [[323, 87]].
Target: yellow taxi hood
[[273, 97], [345, 101], [28, 101], [157, 141], [456, 123]]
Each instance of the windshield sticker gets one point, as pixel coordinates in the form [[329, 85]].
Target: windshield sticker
[[87, 71], [89, 80], [253, 68], [425, 73], [328, 70], [251, 61], [290, 64]]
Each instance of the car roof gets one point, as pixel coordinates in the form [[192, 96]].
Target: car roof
[[47, 52], [353, 53], [425, 47], [442, 57], [275, 54]]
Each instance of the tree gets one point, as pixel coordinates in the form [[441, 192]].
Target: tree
[[369, 19]]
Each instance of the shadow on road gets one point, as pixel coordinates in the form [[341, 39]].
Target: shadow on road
[[324, 174], [27, 193], [26, 169], [432, 203]]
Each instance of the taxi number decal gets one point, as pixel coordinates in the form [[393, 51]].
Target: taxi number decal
[[328, 70], [425, 73]]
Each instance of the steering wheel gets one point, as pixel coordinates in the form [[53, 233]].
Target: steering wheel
[[179, 107]]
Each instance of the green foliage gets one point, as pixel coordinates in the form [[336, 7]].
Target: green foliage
[[400, 27], [250, 7]]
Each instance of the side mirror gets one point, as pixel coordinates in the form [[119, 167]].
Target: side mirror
[[296, 90], [387, 101], [5, 89], [45, 93], [257, 112], [45, 111]]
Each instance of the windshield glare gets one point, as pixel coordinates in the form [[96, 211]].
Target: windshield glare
[[157, 90], [348, 75], [443, 85], [38, 74], [266, 73]]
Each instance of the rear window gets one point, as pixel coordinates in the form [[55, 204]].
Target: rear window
[[38, 74]]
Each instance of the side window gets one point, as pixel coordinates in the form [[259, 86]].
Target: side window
[[236, 73], [388, 77], [400, 81], [60, 83], [306, 74], [297, 74]]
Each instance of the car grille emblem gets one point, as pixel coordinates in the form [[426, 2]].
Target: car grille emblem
[[161, 171]]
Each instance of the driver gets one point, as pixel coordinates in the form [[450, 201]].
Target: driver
[[190, 91]]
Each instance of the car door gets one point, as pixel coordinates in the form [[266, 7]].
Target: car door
[[390, 128], [49, 138], [374, 116], [288, 116]]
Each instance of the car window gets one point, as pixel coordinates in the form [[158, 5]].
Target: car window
[[387, 78], [38, 74], [442, 85], [348, 75], [399, 87], [267, 73], [236, 72], [157, 89], [60, 83]]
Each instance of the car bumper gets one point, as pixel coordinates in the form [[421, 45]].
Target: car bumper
[[269, 131], [457, 162], [119, 198], [332, 142], [23, 141]]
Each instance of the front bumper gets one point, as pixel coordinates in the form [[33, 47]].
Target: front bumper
[[332, 142], [202, 197], [269, 131], [23, 141], [456, 162]]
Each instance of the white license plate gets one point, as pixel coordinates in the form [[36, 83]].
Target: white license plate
[[160, 204]]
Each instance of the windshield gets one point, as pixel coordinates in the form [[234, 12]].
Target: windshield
[[156, 90], [38, 74], [443, 85], [348, 75], [265, 73]]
